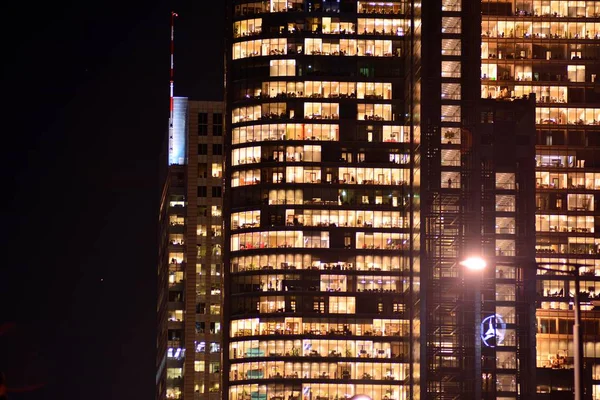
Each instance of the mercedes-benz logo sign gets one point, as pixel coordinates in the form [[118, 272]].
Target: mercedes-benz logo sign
[[493, 329]]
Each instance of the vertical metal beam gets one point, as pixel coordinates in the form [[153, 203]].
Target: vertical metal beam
[[577, 338], [477, 343]]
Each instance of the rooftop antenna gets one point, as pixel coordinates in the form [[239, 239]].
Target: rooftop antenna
[[171, 85]]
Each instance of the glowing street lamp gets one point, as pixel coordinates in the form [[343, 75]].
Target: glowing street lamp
[[474, 263]]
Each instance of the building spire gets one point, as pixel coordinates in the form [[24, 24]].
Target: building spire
[[171, 83]]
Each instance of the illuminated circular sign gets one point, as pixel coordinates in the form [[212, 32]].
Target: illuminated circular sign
[[493, 329]]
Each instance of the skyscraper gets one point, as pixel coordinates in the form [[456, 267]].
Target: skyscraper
[[476, 201], [319, 177], [190, 263], [551, 48], [362, 168], [370, 148]]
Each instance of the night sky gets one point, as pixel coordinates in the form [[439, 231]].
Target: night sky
[[85, 112]]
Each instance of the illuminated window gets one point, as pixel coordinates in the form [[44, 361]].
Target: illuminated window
[[321, 110], [215, 347], [277, 5], [313, 46], [215, 270], [244, 114], [395, 134], [451, 47], [174, 373], [379, 26], [506, 360], [246, 219], [247, 27], [374, 112], [505, 180], [451, 69], [177, 353], [199, 366], [283, 89], [370, 7], [451, 113], [342, 305], [215, 367], [576, 73], [505, 203], [216, 170], [215, 231], [374, 90], [450, 180], [282, 68], [505, 292], [451, 91], [399, 307], [215, 309], [200, 347], [505, 225], [319, 306], [451, 5], [506, 383], [263, 47], [450, 158], [505, 247], [175, 315], [451, 25]]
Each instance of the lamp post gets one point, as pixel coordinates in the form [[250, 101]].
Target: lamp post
[[577, 361], [576, 338], [476, 265]]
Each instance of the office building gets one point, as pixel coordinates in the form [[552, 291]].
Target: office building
[[319, 176], [362, 167], [190, 259], [476, 161], [551, 48], [370, 148]]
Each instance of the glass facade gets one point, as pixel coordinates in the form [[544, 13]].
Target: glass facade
[[366, 148], [550, 48], [320, 178]]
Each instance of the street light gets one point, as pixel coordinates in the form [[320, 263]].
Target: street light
[[476, 264], [577, 362]]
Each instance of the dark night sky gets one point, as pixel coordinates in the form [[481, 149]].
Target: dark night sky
[[85, 111]]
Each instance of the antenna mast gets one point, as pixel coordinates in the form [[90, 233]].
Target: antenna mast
[[171, 84]]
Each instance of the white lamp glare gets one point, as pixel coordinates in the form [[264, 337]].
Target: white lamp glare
[[474, 263]]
